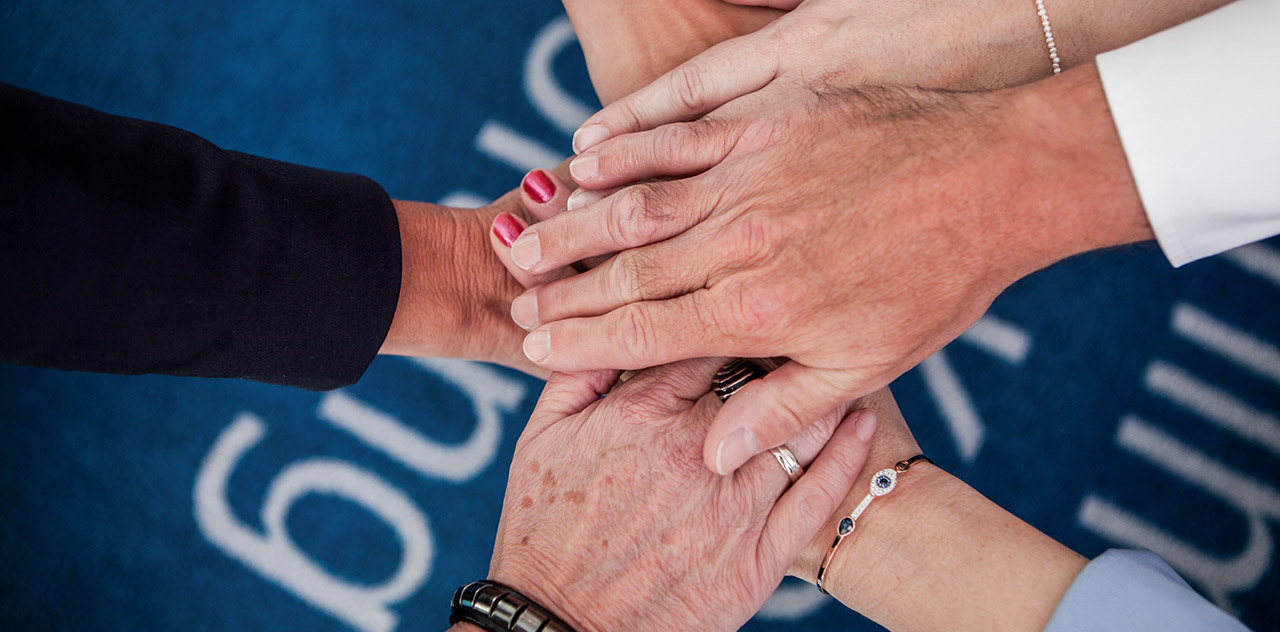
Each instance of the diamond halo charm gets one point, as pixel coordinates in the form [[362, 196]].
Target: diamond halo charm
[[883, 482]]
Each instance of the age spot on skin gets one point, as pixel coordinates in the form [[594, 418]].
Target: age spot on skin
[[604, 544], [575, 497], [524, 541], [548, 480], [526, 502], [668, 537]]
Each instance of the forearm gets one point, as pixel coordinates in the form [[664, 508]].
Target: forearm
[[1084, 29], [454, 294], [988, 44], [1064, 182], [937, 555]]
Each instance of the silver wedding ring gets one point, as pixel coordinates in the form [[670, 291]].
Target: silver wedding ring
[[788, 462], [732, 377]]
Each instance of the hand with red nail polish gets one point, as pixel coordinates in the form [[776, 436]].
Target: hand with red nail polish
[[455, 294]]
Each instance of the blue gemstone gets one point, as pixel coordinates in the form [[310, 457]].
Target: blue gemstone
[[846, 525], [883, 482]]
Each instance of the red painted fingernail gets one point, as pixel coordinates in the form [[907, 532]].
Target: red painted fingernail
[[539, 186], [507, 228]]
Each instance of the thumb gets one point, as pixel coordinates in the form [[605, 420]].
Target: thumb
[[768, 411]]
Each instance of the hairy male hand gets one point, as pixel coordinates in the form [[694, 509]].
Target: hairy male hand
[[852, 230]]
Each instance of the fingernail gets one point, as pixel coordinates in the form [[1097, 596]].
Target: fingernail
[[589, 136], [539, 186], [524, 310], [865, 426], [585, 167], [537, 345], [507, 228], [527, 250], [581, 198], [735, 449]]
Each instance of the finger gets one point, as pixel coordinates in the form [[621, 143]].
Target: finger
[[723, 72], [634, 216], [806, 445], [543, 194], [503, 232], [569, 393], [655, 272], [677, 149], [686, 381], [773, 409], [785, 5], [765, 473], [635, 336], [809, 503]]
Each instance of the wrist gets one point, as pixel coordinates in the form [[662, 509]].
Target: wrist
[[940, 556], [1009, 51], [1076, 192], [454, 293], [536, 582]]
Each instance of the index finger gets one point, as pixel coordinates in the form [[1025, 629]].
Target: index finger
[[722, 73]]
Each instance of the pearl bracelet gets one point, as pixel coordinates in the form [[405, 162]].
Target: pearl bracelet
[[1048, 36], [882, 483]]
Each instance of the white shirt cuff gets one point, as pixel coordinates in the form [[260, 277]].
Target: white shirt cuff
[[1196, 110]]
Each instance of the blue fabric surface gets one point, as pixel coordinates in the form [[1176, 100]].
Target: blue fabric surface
[[1110, 401]]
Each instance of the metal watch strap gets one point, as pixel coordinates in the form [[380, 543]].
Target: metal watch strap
[[498, 608]]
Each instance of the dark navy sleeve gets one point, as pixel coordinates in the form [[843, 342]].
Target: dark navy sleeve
[[133, 247]]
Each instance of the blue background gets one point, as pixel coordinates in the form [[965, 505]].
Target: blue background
[[98, 529]]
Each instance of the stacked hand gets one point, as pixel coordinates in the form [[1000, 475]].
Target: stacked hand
[[612, 522], [852, 230]]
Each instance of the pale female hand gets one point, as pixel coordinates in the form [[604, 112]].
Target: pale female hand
[[951, 44], [955, 44], [611, 521]]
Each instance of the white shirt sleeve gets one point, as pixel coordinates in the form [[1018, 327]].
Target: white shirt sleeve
[[1135, 591], [1198, 112]]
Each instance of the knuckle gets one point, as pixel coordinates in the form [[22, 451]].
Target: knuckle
[[800, 29], [657, 399], [635, 335], [688, 86], [755, 315], [677, 144], [760, 237], [626, 111], [637, 276], [816, 506], [788, 421], [636, 216]]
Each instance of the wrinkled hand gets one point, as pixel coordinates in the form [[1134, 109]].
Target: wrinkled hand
[[611, 521], [855, 231]]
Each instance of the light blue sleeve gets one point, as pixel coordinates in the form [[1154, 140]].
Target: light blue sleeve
[[1136, 591]]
